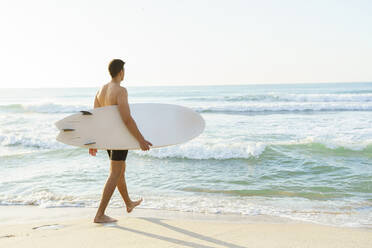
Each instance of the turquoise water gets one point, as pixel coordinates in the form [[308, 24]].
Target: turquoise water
[[298, 151]]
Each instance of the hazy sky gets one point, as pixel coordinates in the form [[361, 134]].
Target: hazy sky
[[70, 43]]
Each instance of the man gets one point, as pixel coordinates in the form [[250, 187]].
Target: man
[[114, 94]]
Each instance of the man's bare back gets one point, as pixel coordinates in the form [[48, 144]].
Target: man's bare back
[[108, 94]]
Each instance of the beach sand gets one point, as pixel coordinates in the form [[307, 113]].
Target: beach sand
[[32, 226]]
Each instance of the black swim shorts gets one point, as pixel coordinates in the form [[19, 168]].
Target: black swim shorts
[[117, 155]]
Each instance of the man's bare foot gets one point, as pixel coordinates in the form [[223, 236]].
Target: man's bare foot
[[133, 205], [104, 219]]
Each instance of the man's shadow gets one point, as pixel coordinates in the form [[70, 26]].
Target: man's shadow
[[180, 230]]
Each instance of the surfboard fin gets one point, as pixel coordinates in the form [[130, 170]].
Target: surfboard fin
[[68, 129], [85, 112], [89, 143]]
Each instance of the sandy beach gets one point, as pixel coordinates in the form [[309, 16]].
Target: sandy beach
[[29, 226]]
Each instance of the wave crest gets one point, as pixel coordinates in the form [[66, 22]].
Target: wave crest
[[42, 108], [275, 97], [284, 107], [247, 150]]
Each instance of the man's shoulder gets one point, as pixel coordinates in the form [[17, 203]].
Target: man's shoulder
[[122, 90]]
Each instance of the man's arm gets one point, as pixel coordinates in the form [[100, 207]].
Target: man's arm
[[123, 106]]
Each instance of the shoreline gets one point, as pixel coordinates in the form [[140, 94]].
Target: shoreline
[[32, 226], [21, 214]]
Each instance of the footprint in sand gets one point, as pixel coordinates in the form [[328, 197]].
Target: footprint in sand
[[48, 227], [7, 236]]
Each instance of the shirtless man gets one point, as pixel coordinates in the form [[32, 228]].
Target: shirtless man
[[114, 94]]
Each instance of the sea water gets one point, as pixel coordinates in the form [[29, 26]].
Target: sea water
[[302, 151]]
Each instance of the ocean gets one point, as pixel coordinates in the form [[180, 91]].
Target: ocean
[[302, 151]]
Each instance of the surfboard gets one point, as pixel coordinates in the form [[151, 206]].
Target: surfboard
[[102, 128]]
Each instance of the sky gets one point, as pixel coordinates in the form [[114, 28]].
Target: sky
[[69, 43]]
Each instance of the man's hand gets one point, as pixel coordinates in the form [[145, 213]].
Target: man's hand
[[92, 151], [145, 145]]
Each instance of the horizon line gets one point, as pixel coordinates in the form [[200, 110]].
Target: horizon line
[[201, 85]]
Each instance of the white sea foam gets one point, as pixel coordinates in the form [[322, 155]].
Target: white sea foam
[[323, 212], [366, 97], [30, 140], [285, 107], [243, 150], [283, 97], [54, 108], [208, 150], [332, 212], [42, 198], [45, 107]]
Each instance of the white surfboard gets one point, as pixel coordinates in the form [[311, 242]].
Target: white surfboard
[[102, 128]]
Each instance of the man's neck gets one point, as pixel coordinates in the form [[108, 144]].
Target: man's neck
[[116, 81]]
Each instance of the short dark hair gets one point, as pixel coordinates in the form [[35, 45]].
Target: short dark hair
[[115, 66]]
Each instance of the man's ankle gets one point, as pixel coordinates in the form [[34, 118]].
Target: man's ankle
[[99, 214]]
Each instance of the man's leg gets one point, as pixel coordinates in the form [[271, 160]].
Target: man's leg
[[108, 190], [122, 187]]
